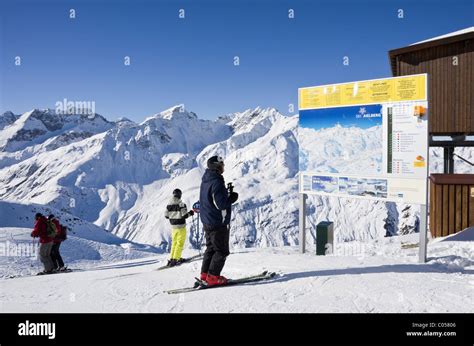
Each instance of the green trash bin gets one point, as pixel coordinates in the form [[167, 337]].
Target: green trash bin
[[324, 238]]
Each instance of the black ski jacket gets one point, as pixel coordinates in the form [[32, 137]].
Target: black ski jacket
[[214, 199]]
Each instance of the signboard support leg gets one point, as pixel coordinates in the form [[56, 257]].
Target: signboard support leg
[[302, 222], [423, 234]]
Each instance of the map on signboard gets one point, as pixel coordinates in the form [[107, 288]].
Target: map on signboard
[[366, 139], [342, 140]]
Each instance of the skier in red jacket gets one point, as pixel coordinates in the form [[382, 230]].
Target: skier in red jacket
[[46, 243], [58, 262]]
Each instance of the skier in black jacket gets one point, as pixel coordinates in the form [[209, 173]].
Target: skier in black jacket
[[216, 204]]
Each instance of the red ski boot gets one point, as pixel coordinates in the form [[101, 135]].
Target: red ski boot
[[214, 280], [203, 276]]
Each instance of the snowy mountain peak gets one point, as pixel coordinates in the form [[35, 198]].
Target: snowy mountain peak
[[124, 119], [8, 114], [258, 111], [246, 121], [177, 111], [124, 122], [247, 115], [7, 119], [40, 125], [49, 115]]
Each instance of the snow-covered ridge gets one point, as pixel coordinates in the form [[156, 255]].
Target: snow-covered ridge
[[36, 126]]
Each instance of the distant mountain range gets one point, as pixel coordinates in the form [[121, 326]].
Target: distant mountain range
[[119, 175]]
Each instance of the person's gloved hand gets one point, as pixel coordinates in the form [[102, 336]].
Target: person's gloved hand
[[234, 196], [191, 212], [32, 234]]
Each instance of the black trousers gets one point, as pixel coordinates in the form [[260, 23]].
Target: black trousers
[[56, 256], [217, 249]]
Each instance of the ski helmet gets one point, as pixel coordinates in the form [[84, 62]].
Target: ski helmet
[[38, 215], [216, 163], [177, 193]]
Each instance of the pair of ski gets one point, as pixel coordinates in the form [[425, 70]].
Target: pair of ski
[[201, 285], [187, 260], [40, 274], [66, 270]]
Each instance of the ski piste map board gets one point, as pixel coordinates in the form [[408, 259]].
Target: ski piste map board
[[365, 139]]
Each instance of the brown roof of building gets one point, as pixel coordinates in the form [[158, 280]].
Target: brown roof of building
[[425, 45]]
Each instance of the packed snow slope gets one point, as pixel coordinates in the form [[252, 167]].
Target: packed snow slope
[[374, 276], [119, 175]]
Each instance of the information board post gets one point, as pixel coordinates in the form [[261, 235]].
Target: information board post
[[423, 243], [302, 222], [423, 234]]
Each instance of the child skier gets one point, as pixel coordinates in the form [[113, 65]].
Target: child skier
[[176, 213]]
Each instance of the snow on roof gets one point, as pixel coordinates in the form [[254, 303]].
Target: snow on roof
[[454, 33], [465, 235]]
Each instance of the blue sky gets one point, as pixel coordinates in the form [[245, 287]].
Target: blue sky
[[345, 116], [190, 61]]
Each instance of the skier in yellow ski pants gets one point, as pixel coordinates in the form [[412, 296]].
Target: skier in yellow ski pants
[[176, 212], [178, 237]]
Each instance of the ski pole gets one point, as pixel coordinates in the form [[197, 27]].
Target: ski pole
[[34, 252], [194, 226], [203, 233], [199, 243], [230, 189]]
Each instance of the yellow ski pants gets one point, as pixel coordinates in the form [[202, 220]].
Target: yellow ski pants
[[178, 237]]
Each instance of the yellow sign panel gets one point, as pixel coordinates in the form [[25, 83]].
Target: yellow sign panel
[[406, 88]]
